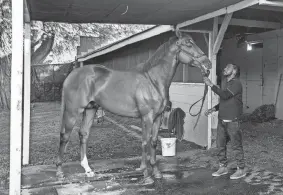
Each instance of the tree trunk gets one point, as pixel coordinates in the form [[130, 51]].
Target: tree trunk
[[37, 57], [44, 49], [5, 84]]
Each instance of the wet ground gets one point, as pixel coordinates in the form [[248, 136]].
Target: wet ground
[[119, 177]]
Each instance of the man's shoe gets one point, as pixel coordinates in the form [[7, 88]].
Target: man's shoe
[[238, 174], [223, 170]]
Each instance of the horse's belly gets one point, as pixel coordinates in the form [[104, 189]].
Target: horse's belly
[[118, 104], [117, 94]]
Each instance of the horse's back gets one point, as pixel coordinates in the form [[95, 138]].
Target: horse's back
[[107, 87]]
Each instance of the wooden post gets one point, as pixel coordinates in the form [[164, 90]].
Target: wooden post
[[209, 98], [27, 78], [53, 82], [16, 98], [221, 33], [212, 57]]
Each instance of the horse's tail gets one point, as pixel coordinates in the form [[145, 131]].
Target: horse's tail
[[62, 126]]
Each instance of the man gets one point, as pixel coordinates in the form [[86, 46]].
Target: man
[[230, 109]]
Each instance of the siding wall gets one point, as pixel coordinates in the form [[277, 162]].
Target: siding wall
[[259, 69], [130, 56], [181, 94]]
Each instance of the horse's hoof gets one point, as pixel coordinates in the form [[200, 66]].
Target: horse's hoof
[[89, 174], [157, 175], [146, 181]]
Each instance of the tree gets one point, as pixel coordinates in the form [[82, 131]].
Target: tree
[[51, 42]]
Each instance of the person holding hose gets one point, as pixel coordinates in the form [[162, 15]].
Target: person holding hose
[[230, 109]]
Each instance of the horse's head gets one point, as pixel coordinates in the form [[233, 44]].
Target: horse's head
[[189, 53]]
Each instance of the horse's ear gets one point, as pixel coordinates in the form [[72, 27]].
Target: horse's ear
[[178, 33]]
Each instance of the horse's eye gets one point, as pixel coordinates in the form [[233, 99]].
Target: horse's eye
[[187, 41]]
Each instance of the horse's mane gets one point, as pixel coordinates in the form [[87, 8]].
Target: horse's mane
[[158, 54]]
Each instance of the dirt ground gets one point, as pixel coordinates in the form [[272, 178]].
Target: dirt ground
[[263, 143], [105, 141]]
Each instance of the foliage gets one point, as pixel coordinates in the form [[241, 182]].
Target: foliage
[[51, 43], [5, 27], [66, 35]]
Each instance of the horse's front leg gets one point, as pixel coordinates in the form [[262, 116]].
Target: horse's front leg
[[153, 145], [147, 122], [88, 116]]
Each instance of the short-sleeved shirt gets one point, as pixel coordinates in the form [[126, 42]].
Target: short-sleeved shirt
[[232, 108]]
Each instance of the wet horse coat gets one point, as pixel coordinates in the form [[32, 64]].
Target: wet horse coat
[[141, 93]]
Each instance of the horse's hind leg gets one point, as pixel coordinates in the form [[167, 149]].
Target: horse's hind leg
[[68, 123], [147, 122], [88, 116], [153, 144]]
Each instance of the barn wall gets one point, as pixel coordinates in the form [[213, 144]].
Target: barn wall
[[130, 56], [259, 69], [181, 94]]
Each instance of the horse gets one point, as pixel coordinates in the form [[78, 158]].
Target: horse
[[141, 93]]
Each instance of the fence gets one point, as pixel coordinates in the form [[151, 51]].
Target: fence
[[47, 81]]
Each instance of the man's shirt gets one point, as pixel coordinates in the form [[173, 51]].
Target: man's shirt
[[230, 106]]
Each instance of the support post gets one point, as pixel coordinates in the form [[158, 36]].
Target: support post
[[209, 98], [213, 57], [221, 33], [212, 77], [16, 98], [81, 64], [27, 71]]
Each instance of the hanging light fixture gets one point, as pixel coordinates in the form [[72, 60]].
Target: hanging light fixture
[[249, 47]]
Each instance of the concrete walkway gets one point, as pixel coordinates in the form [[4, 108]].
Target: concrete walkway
[[180, 176]]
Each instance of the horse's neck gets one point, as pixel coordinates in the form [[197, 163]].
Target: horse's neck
[[163, 73]]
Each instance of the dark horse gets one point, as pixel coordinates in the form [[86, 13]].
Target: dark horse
[[141, 93]]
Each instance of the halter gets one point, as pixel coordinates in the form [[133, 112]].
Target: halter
[[205, 73]]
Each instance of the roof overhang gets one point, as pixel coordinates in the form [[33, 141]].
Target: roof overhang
[[158, 12], [165, 13]]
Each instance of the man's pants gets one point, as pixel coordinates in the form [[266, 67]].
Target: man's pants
[[230, 131]]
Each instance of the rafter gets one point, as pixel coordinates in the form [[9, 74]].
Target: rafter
[[221, 33], [253, 23]]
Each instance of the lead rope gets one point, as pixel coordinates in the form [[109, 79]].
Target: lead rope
[[203, 98]]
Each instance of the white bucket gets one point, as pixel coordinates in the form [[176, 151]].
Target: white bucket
[[168, 146]]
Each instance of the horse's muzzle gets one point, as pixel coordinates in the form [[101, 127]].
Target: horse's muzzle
[[207, 63]]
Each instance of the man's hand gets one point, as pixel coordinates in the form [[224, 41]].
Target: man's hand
[[207, 81], [209, 111]]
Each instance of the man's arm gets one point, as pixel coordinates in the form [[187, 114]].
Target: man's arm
[[233, 89], [224, 94], [216, 107]]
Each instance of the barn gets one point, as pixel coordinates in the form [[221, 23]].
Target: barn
[[251, 30], [260, 67]]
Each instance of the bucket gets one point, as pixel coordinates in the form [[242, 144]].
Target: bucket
[[168, 146]]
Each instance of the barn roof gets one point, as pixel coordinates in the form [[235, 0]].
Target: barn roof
[[123, 11], [165, 12], [248, 13]]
